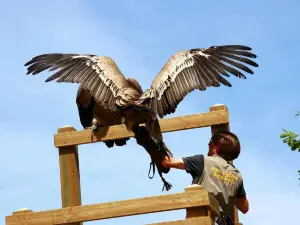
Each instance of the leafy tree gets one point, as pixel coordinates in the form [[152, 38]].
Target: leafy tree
[[290, 138]]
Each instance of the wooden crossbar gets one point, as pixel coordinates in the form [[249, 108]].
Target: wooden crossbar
[[76, 214], [119, 131]]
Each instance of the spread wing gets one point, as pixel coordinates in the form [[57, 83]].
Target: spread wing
[[98, 74], [193, 69]]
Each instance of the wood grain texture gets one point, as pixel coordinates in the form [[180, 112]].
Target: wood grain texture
[[192, 221], [195, 198], [201, 211], [223, 126], [120, 131], [69, 173]]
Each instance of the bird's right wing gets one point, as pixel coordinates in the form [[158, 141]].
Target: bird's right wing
[[200, 68], [98, 74]]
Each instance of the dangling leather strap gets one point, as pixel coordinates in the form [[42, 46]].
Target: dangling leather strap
[[151, 165]]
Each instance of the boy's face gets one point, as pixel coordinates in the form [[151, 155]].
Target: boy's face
[[212, 149]]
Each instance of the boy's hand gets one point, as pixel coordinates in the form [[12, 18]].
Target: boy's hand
[[164, 149], [165, 160]]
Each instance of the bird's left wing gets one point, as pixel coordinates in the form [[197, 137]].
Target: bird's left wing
[[193, 69], [98, 74]]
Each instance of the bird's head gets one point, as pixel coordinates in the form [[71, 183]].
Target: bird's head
[[135, 85]]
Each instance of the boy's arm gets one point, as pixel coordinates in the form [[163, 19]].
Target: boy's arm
[[170, 162], [241, 201], [242, 204], [193, 165]]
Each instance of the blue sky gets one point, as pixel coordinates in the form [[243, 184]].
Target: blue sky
[[140, 36]]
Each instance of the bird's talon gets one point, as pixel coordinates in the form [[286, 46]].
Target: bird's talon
[[93, 128]]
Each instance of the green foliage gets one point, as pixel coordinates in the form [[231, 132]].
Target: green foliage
[[290, 138]]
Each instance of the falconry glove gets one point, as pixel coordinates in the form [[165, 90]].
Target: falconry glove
[[155, 150]]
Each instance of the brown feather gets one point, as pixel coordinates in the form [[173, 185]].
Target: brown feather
[[98, 74], [200, 68]]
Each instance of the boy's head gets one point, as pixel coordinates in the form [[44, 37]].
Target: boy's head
[[225, 144]]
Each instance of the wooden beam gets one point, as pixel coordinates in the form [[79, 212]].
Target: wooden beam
[[69, 215], [225, 126], [120, 131], [192, 221], [197, 212], [69, 173]]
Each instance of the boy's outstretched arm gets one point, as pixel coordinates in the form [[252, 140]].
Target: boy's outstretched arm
[[170, 162]]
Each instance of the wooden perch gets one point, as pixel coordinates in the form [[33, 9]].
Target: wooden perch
[[120, 131]]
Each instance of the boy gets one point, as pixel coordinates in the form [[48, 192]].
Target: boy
[[214, 171]]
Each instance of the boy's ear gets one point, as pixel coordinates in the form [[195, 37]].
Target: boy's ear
[[216, 147]]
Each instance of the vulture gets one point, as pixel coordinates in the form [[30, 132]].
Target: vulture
[[105, 97]]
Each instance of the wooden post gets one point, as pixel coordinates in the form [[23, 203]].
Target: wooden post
[[69, 173], [197, 212], [225, 126]]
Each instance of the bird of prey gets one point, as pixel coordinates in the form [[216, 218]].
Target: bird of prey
[[105, 97]]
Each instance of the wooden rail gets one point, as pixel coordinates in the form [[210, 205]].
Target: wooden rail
[[119, 131], [201, 207]]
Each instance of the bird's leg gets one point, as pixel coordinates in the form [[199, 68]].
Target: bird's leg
[[94, 125], [154, 149], [163, 148], [154, 130]]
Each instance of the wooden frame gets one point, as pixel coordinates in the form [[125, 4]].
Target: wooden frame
[[67, 139], [194, 198]]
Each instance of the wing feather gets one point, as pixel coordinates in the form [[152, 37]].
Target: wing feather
[[193, 69], [98, 74]]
